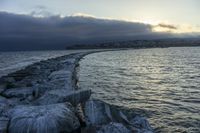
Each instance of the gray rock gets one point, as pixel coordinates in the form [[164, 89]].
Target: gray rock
[[3, 105], [2, 88], [141, 125], [6, 104], [18, 92], [61, 74], [61, 79], [95, 113], [70, 61], [98, 113], [3, 124], [114, 128], [62, 95], [53, 118]]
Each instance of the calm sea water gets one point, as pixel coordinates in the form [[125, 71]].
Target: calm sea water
[[163, 82], [13, 61]]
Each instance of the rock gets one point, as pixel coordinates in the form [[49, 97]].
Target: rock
[[2, 88], [61, 74], [90, 129], [6, 104], [80, 115], [3, 105], [61, 79], [141, 125], [53, 118], [98, 113], [6, 82], [62, 95], [114, 128], [19, 75], [18, 92], [69, 61], [95, 113], [3, 124]]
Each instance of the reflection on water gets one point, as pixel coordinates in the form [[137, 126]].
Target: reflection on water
[[163, 82]]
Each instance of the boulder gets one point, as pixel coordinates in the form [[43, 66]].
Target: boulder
[[6, 104], [114, 128], [3, 105], [141, 125], [95, 113], [53, 118], [98, 113], [62, 95], [61, 74], [2, 88], [18, 92], [69, 61], [61, 79], [3, 124]]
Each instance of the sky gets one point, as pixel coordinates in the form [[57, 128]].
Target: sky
[[94, 20], [177, 12]]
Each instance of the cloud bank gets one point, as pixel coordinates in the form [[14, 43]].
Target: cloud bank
[[26, 32]]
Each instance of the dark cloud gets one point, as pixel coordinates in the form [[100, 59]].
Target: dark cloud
[[168, 26], [25, 32]]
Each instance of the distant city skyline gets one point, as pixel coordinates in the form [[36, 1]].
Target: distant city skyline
[[182, 14]]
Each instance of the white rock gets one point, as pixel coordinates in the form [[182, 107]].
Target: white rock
[[62, 95], [18, 92], [95, 113], [53, 118]]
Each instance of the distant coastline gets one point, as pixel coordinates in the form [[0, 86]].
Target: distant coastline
[[159, 43]]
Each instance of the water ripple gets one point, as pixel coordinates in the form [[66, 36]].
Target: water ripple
[[164, 83]]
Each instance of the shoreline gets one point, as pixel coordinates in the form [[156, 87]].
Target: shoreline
[[50, 88]]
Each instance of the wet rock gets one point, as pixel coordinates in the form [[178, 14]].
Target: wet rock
[[98, 113], [6, 82], [3, 124], [141, 125], [6, 104], [69, 61], [3, 104], [62, 95], [2, 88], [95, 113], [61, 79], [53, 118], [19, 75], [114, 128], [60, 74], [90, 129], [18, 92], [80, 115]]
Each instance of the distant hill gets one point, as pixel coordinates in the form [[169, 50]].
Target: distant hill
[[140, 44]]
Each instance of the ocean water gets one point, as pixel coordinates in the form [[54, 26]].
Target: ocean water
[[13, 61], [164, 82]]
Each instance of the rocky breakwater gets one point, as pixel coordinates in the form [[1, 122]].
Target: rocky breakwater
[[44, 98]]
